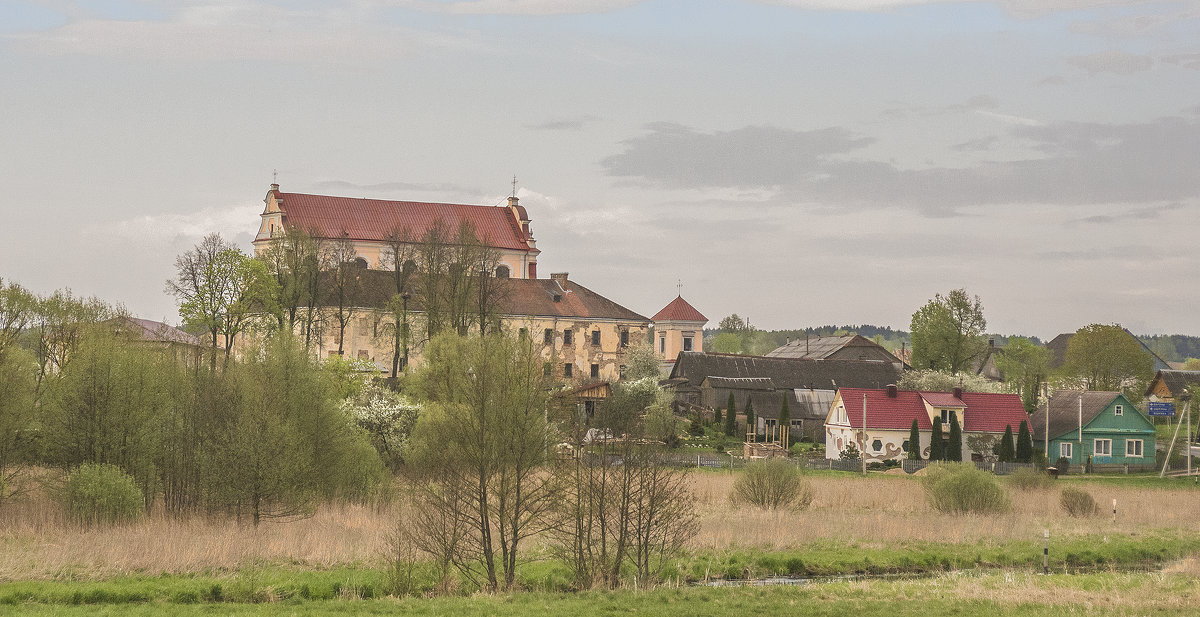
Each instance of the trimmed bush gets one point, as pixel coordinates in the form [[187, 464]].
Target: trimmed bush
[[102, 494], [1030, 479], [1078, 502], [960, 488], [772, 484], [1063, 465]]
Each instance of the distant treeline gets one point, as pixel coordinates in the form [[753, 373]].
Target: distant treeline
[[1173, 347], [890, 338]]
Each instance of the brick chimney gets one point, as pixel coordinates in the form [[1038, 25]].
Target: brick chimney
[[958, 393], [891, 390], [560, 278]]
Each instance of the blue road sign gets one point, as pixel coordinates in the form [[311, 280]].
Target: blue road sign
[[1162, 409]]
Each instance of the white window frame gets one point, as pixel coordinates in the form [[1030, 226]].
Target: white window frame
[[1119, 410], [1140, 450], [1097, 450], [1066, 449]]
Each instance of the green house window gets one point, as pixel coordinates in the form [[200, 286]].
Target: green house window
[[1066, 450], [1119, 410], [1133, 447]]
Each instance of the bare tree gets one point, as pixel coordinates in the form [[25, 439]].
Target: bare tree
[[345, 280]]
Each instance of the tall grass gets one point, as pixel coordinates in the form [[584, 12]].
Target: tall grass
[[39, 542]]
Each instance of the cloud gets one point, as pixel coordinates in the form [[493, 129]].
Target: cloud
[[981, 144], [1136, 25], [1021, 8], [755, 156], [520, 7], [567, 124], [229, 221], [1113, 61], [1081, 163], [1187, 61], [1134, 214]]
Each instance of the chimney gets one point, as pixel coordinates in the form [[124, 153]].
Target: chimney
[[891, 390], [560, 278], [958, 393], [274, 187], [512, 201]]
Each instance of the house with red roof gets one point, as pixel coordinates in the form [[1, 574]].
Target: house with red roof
[[678, 327], [369, 223], [878, 421]]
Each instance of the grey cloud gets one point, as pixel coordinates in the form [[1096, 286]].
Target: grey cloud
[[1083, 163], [1113, 61], [981, 144], [569, 124], [1135, 214], [1187, 61], [979, 102], [755, 156]]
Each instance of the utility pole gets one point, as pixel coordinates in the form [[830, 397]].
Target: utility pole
[[1046, 437], [864, 435], [1186, 397]]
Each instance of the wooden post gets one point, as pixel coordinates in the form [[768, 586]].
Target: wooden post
[[1046, 554]]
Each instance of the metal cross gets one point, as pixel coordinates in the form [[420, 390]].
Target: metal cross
[[514, 185], [274, 176], [679, 287]]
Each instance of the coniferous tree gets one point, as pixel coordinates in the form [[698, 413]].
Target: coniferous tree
[[1024, 444], [1007, 452], [954, 448], [914, 442], [717, 416], [937, 447], [751, 426], [785, 421], [730, 417]]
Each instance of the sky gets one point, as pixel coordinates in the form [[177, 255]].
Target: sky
[[797, 162]]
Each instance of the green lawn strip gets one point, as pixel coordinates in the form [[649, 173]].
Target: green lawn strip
[[275, 583], [833, 558], [944, 596]]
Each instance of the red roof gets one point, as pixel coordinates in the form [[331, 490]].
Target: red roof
[[678, 310], [373, 219], [984, 413]]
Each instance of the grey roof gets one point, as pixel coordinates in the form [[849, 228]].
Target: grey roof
[[813, 403], [154, 331], [741, 383], [788, 373], [1177, 381], [1065, 411], [820, 347]]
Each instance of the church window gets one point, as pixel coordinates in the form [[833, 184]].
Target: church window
[[595, 371], [568, 337], [502, 272], [662, 344], [687, 343], [595, 337]]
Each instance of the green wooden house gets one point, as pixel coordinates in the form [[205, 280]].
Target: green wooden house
[[1114, 431]]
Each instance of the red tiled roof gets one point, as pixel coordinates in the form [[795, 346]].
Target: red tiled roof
[[985, 413], [373, 219], [942, 399], [678, 310]]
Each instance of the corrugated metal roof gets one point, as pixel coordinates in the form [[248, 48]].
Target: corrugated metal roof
[[373, 219], [741, 383]]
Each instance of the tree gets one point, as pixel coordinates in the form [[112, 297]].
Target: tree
[[220, 290], [293, 261], [1107, 357], [954, 448], [478, 452], [1006, 451], [641, 362], [785, 421], [914, 442], [1024, 449], [345, 284], [18, 380], [717, 417], [948, 332], [18, 309], [937, 446], [751, 423], [1024, 365], [938, 381], [730, 417]]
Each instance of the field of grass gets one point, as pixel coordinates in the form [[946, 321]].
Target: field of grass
[[875, 524], [1003, 593]]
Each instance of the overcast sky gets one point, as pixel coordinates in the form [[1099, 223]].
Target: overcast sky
[[799, 162]]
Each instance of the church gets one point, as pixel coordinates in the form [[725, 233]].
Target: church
[[582, 335]]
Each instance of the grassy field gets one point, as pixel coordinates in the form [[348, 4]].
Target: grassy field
[[957, 594], [875, 524]]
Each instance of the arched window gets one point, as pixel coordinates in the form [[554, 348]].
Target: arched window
[[502, 272], [361, 262]]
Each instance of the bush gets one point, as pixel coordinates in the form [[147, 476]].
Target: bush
[[1027, 479], [772, 484], [1063, 465], [960, 488], [102, 494], [1078, 502]]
